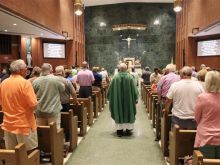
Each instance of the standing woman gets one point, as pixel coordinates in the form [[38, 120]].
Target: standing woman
[[207, 115]]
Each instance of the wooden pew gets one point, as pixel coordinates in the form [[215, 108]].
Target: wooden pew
[[89, 105], [99, 98], [154, 109], [147, 90], [158, 121], [50, 140], [142, 92], [19, 156], [181, 143], [95, 100], [165, 128], [81, 112], [69, 123], [199, 160]]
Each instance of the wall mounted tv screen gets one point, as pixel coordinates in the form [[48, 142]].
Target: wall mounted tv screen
[[54, 50], [208, 48]]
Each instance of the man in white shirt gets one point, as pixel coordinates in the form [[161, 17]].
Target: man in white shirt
[[183, 94]]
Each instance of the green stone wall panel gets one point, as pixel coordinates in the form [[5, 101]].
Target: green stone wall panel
[[154, 47]]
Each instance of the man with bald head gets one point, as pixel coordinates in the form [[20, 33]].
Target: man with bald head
[[69, 89], [85, 79], [123, 95], [48, 89], [183, 95]]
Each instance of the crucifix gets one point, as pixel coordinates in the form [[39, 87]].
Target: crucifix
[[129, 39]]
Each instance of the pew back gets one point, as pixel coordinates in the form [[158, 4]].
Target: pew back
[[19, 156], [181, 143], [70, 125], [50, 140], [199, 160]]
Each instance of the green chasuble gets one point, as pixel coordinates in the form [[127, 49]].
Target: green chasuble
[[122, 95]]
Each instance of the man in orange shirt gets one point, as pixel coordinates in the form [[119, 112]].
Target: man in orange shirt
[[18, 102]]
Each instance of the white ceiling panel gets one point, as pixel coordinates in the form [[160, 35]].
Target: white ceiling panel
[[105, 2], [14, 25]]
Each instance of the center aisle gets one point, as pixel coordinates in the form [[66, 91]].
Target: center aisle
[[101, 146]]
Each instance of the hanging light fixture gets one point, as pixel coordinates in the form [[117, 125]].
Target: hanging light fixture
[[177, 5], [78, 5]]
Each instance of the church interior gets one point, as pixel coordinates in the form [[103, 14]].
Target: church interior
[[150, 37]]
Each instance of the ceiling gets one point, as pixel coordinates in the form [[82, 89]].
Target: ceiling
[[15, 25], [105, 2], [24, 27]]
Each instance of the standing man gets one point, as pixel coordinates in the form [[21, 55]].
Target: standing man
[[146, 76], [18, 102], [183, 95], [85, 79], [48, 89], [69, 90], [155, 76], [123, 96]]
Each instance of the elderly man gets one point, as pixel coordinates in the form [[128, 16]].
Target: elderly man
[[48, 89], [146, 75], [85, 79], [123, 96], [183, 94], [155, 76], [18, 102], [69, 89], [166, 81], [164, 85]]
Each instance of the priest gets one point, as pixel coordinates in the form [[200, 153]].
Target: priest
[[123, 97]]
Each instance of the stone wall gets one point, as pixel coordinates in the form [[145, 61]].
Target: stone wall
[[154, 47]]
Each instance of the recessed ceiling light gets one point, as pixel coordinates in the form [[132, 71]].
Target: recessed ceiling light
[[102, 24], [156, 22], [5, 30], [41, 34], [14, 24]]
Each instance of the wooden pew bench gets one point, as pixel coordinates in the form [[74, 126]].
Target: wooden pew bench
[[151, 105], [147, 90], [199, 160], [165, 129], [69, 123], [97, 105], [154, 109], [181, 143], [89, 105], [81, 112], [19, 156], [50, 140]]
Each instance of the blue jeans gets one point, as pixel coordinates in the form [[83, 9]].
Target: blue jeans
[[184, 123]]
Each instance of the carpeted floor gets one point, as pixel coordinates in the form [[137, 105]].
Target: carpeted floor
[[101, 146]]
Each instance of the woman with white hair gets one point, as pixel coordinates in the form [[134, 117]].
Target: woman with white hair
[[207, 115]]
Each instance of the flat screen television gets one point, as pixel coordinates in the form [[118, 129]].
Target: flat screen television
[[208, 48], [54, 50]]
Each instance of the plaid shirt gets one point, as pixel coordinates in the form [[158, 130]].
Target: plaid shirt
[[165, 83]]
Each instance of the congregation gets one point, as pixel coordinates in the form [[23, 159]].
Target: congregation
[[124, 82]]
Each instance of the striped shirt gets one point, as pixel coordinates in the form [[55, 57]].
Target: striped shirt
[[165, 83]]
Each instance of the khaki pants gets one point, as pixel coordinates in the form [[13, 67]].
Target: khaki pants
[[30, 141], [47, 121]]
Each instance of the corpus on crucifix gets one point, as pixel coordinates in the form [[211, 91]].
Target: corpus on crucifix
[[129, 39]]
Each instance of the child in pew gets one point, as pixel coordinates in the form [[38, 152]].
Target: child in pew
[[207, 115], [154, 86]]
